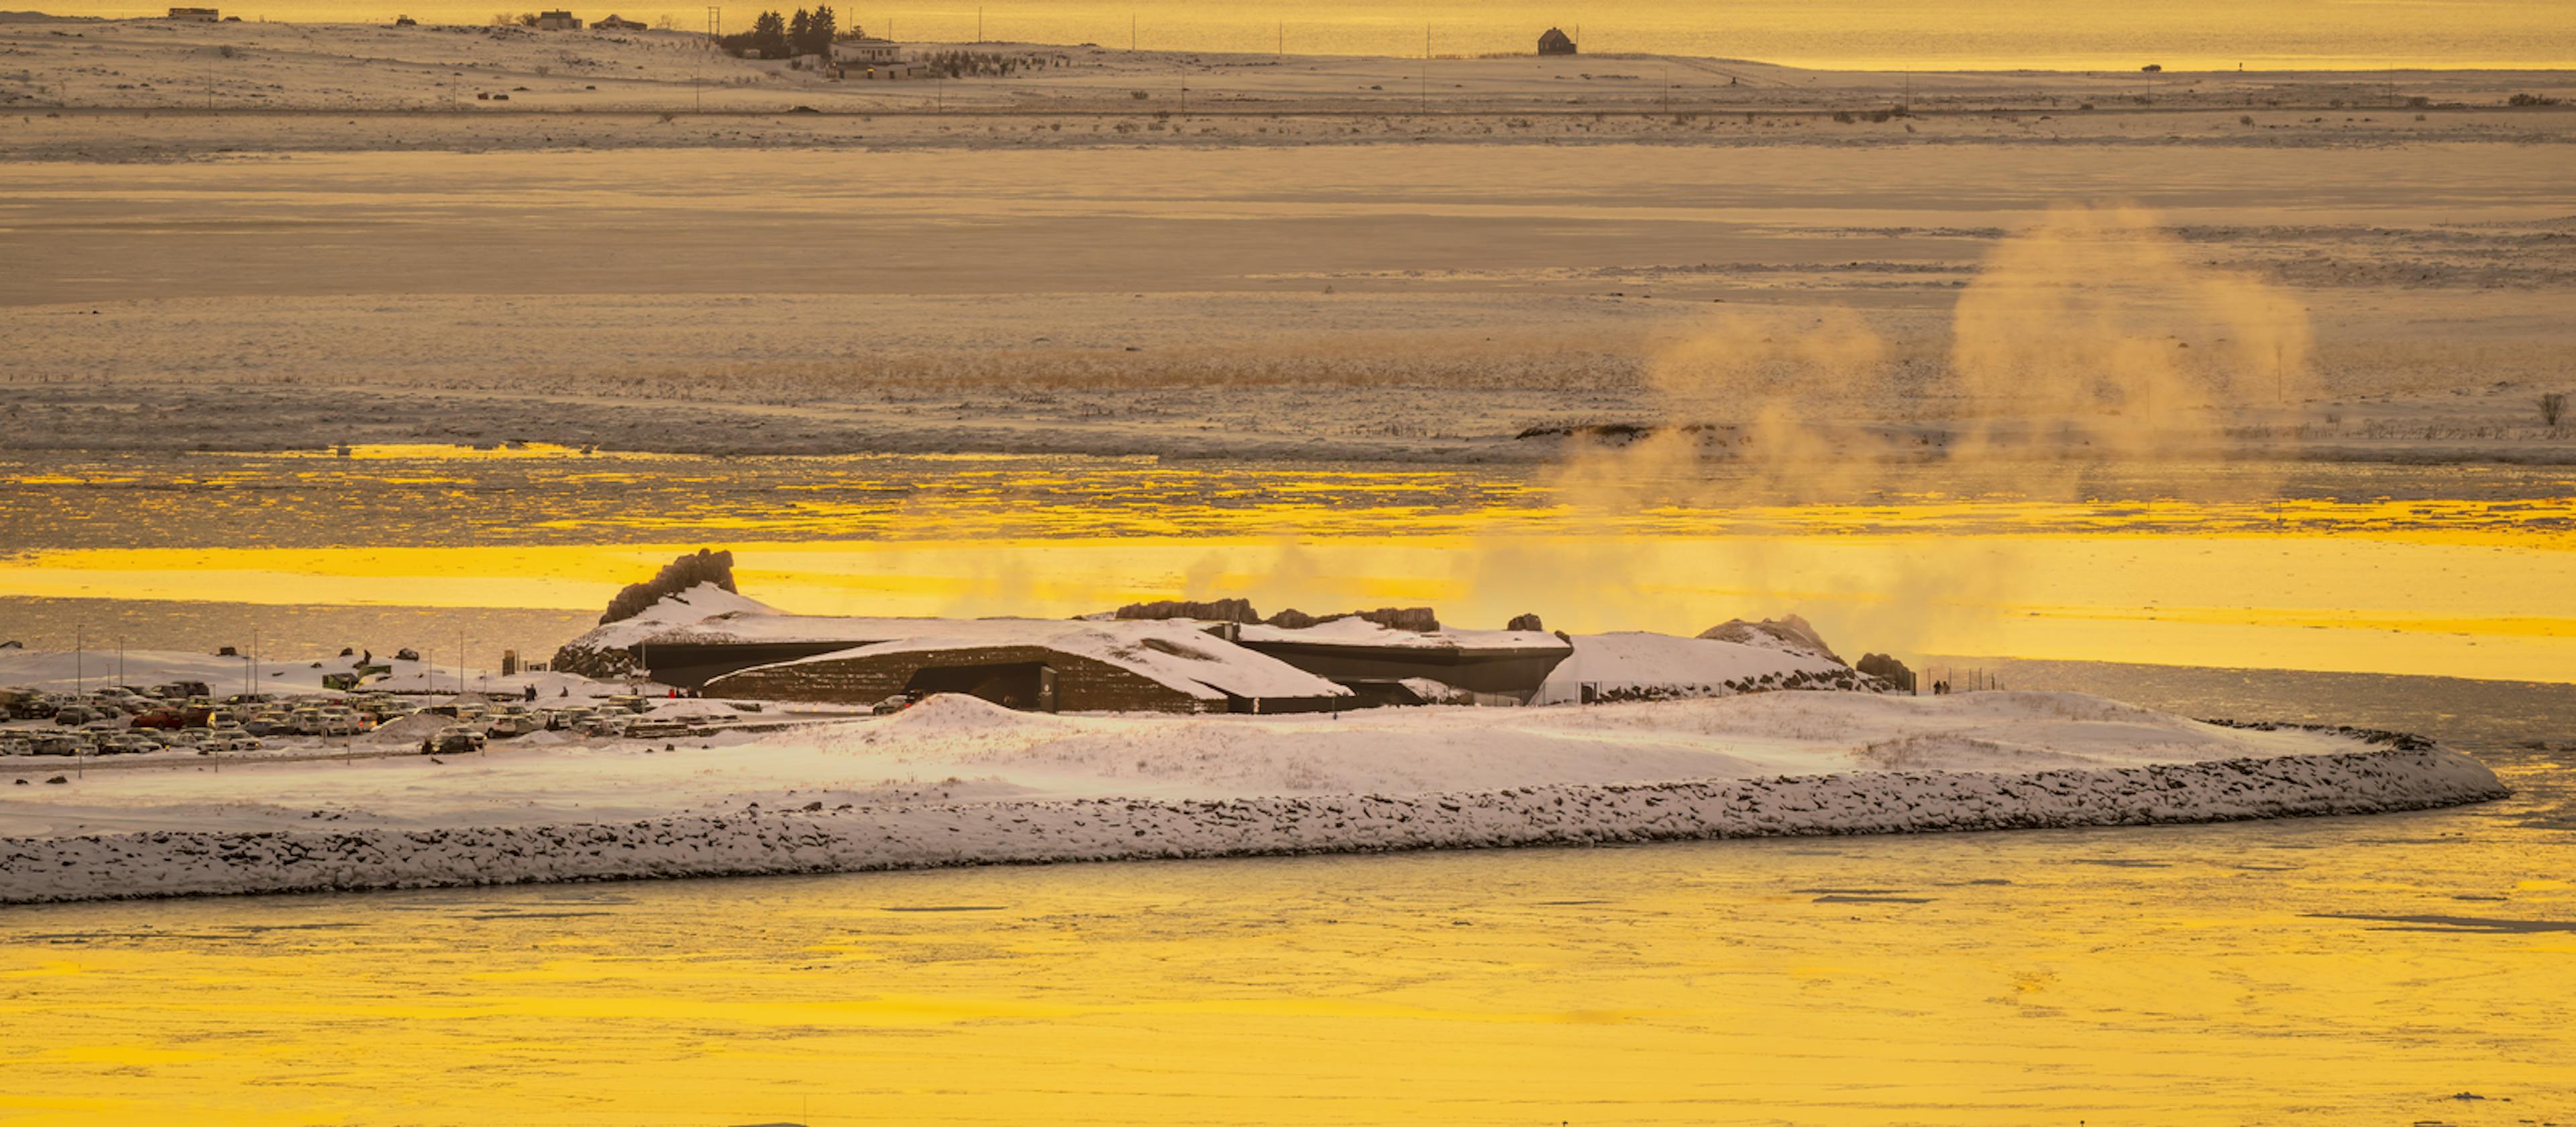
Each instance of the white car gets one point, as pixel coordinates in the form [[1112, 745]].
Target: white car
[[337, 722]]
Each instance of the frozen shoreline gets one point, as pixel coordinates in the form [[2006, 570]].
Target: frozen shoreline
[[856, 839]]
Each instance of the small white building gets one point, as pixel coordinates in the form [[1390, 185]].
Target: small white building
[[558, 20], [869, 57]]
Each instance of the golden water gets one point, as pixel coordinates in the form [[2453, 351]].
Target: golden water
[[2184, 975], [2463, 571]]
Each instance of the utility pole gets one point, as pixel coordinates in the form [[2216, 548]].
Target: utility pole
[[79, 686], [715, 34], [1426, 68], [1131, 33]]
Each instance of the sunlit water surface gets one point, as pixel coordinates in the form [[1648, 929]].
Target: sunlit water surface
[[2395, 969], [2368, 568]]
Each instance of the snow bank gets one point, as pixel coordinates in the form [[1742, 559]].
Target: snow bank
[[1643, 666], [958, 780], [1360, 632], [852, 839], [63, 671]]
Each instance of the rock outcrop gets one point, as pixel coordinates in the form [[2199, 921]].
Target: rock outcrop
[[1218, 610], [1420, 620], [691, 588], [1887, 669], [1788, 634], [679, 575], [1524, 622]]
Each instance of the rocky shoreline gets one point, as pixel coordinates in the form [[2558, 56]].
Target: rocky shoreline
[[814, 839]]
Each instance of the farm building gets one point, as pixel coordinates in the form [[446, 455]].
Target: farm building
[[1555, 42], [558, 20], [613, 22], [199, 15]]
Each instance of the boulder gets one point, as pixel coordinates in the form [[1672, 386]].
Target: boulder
[[1888, 669]]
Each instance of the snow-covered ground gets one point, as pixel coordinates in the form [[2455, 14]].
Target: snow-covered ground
[[60, 671], [956, 780]]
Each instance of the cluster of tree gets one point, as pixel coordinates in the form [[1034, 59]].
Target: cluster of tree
[[983, 64], [771, 37]]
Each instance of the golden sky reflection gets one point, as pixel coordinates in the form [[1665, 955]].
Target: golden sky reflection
[[2472, 606]]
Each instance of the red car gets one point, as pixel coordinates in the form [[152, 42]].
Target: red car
[[161, 718]]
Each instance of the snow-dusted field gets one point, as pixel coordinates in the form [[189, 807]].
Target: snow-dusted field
[[956, 781]]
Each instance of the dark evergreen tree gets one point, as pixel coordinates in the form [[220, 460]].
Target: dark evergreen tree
[[769, 36], [820, 30], [800, 35]]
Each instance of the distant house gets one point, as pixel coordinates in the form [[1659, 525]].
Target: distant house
[[200, 15], [612, 23], [870, 57], [405, 21], [1555, 42], [558, 20]]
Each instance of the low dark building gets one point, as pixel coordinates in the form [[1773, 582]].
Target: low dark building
[[1555, 42], [1389, 666], [1033, 664]]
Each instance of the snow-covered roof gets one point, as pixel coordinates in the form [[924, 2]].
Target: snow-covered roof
[[1179, 655], [1361, 633], [1637, 660]]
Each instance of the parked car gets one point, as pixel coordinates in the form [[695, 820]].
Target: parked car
[[160, 718], [891, 705], [74, 715], [455, 739], [604, 724], [338, 721], [514, 720], [131, 743], [27, 704]]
